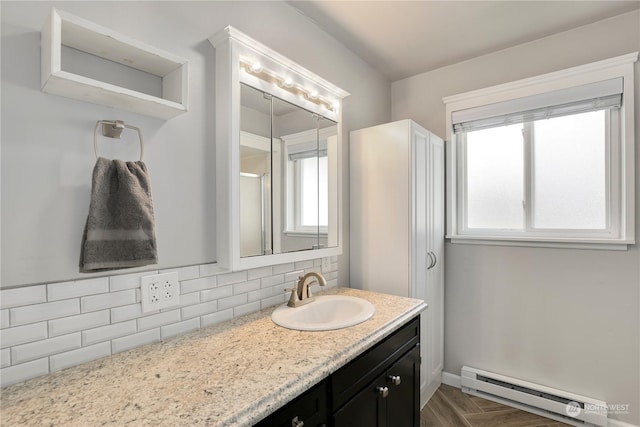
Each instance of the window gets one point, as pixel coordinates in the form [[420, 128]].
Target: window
[[535, 166], [307, 184], [311, 193]]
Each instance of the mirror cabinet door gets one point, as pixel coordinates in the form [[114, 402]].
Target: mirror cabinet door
[[288, 184], [255, 173], [297, 131]]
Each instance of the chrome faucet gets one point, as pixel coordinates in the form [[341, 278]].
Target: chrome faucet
[[301, 294]]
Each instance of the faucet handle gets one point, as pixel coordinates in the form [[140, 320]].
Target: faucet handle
[[293, 299]]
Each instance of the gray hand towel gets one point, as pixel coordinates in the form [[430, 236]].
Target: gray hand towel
[[119, 232]]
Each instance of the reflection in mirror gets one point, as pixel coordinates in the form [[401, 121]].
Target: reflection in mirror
[[289, 185], [255, 172]]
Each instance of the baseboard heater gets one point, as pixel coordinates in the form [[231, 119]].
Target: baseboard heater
[[566, 407]]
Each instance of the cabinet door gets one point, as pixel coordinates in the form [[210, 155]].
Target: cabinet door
[[403, 401], [435, 276], [309, 408], [391, 400], [365, 409]]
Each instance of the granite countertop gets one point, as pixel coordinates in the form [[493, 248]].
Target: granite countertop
[[231, 374]]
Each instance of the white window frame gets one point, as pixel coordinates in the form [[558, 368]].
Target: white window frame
[[292, 209], [621, 231]]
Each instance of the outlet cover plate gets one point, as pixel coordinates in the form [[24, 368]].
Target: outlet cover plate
[[159, 291]]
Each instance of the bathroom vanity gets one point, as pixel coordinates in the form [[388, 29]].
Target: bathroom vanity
[[239, 373], [379, 388]]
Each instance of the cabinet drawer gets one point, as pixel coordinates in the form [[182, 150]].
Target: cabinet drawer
[[349, 380], [310, 408]]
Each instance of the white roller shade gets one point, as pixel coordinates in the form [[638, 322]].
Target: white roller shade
[[574, 100]]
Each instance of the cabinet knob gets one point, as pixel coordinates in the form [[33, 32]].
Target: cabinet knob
[[383, 391], [296, 423], [395, 379]]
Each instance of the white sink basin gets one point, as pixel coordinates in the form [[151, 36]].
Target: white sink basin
[[326, 313]]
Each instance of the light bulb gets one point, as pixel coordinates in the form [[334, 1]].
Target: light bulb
[[288, 82], [256, 67], [335, 105], [313, 94]]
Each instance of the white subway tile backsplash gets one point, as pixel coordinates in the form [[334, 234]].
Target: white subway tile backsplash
[[110, 300], [127, 281], [189, 299], [292, 276], [185, 273], [259, 294], [233, 301], [216, 293], [230, 278], [5, 358], [67, 325], [35, 350], [211, 270], [179, 328], [283, 268], [267, 282], [157, 320], [259, 273], [301, 265], [109, 332], [199, 309], [23, 296], [24, 371], [135, 340], [195, 285], [272, 301], [80, 288], [23, 334], [81, 355], [244, 287], [241, 310], [221, 316], [128, 312], [46, 311], [4, 319], [43, 327]]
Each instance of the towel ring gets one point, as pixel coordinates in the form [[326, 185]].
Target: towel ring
[[113, 129]]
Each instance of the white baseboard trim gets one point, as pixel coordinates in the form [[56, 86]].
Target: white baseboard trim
[[454, 381], [451, 379], [616, 423]]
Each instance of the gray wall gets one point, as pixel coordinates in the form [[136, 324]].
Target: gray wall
[[47, 154], [564, 318]]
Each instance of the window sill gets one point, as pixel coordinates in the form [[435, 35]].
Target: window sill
[[565, 243], [294, 233]]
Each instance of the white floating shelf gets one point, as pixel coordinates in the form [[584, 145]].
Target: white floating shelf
[[65, 29]]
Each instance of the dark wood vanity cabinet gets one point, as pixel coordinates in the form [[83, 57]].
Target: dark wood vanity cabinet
[[379, 388], [309, 409]]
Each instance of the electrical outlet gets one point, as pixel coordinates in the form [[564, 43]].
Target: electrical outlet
[[159, 291]]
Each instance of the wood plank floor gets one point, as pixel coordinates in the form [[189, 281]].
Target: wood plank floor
[[450, 407]]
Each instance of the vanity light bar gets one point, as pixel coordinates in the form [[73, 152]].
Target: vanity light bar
[[287, 84]]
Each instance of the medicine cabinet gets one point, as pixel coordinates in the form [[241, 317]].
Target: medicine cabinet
[[278, 157]]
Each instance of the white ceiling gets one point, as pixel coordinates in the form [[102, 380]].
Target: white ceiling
[[405, 38]]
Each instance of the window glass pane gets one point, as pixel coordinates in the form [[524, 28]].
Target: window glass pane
[[495, 178], [313, 187], [569, 174]]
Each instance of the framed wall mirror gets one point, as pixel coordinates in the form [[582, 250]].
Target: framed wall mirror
[[278, 163]]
